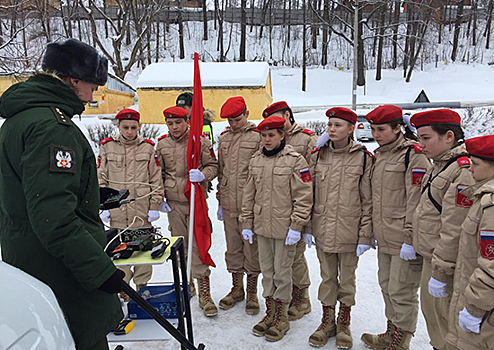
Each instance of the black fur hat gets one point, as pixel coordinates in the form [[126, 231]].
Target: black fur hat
[[73, 58]]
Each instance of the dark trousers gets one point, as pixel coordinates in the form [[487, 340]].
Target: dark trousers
[[101, 345]]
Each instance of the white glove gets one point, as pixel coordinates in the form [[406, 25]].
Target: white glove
[[195, 175], [322, 140], [247, 235], [165, 208], [468, 322], [437, 289], [373, 243], [219, 213], [292, 237], [307, 237], [407, 252], [362, 248], [105, 216], [153, 215]]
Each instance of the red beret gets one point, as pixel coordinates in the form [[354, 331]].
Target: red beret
[[233, 107], [175, 112], [271, 123], [437, 116], [384, 114], [342, 113], [481, 147], [128, 114], [275, 107]]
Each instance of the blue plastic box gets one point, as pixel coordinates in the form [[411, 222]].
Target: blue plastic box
[[161, 297]]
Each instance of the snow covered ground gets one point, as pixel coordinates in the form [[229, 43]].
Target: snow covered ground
[[232, 329]]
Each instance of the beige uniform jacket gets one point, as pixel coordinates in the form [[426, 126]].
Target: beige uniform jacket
[[172, 156], [342, 212], [395, 193], [123, 164], [302, 140], [235, 151], [277, 195], [436, 234], [474, 275]]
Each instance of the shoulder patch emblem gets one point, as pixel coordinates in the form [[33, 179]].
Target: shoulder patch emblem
[[463, 161], [149, 141], [161, 137], [308, 132], [62, 159], [417, 176], [486, 244], [156, 160], [305, 175], [417, 148], [462, 200], [61, 117], [108, 139]]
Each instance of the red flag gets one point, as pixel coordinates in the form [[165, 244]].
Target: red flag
[[202, 230]]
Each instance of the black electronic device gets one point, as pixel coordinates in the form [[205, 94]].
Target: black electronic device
[[160, 249], [115, 200], [140, 242]]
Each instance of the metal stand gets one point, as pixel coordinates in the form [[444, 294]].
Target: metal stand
[[187, 342]]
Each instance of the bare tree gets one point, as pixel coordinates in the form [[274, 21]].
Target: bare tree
[[459, 18], [243, 30], [205, 20]]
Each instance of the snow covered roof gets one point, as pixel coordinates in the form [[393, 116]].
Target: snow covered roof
[[213, 74]]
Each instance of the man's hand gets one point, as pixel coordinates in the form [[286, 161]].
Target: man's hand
[[165, 208], [105, 216], [114, 283], [247, 235], [219, 214], [292, 237], [195, 175], [153, 215]]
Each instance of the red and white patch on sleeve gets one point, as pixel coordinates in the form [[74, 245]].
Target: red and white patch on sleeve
[[156, 160], [462, 200], [417, 176], [305, 175], [486, 244]]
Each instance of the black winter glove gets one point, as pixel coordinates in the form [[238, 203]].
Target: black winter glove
[[113, 284]]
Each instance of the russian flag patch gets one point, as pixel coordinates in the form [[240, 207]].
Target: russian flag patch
[[417, 175], [156, 160], [211, 150], [461, 199], [305, 175], [486, 244]]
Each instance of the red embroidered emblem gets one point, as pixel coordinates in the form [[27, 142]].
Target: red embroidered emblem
[[305, 175], [462, 200], [463, 161], [417, 175], [486, 244]]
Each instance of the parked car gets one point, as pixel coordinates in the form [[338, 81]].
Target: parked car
[[30, 316], [363, 129]]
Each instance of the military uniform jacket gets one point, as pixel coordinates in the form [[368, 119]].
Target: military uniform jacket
[[49, 204], [132, 165], [396, 192], [436, 234], [302, 140], [342, 212], [172, 156], [235, 151], [474, 275], [277, 195]]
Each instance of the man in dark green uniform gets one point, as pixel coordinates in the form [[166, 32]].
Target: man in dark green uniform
[[49, 196]]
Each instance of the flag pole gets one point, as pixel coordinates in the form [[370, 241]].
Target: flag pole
[[191, 229]]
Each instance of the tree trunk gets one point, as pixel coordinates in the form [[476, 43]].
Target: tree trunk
[[407, 38], [421, 41], [487, 32], [395, 33], [459, 16], [304, 48], [360, 48], [243, 30], [181, 31], [158, 25], [205, 20], [325, 36], [474, 23], [380, 45]]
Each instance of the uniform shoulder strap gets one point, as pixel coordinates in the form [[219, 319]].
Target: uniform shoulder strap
[[61, 117], [161, 137], [108, 139], [416, 148], [149, 141], [308, 132]]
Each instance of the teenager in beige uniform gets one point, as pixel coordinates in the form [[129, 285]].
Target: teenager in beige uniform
[[237, 145], [276, 206], [303, 141], [172, 155], [471, 315], [128, 161], [439, 215], [396, 178], [341, 221]]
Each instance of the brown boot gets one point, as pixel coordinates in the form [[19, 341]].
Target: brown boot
[[206, 303], [343, 335], [252, 304], [379, 341], [300, 304], [401, 340], [236, 294], [261, 328], [192, 291], [326, 329], [280, 324]]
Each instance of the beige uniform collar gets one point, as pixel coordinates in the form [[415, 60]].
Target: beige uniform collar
[[185, 136], [391, 146], [119, 138], [446, 156], [248, 126], [351, 147], [478, 188], [294, 129]]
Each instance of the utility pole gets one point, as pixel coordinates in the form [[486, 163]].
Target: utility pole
[[355, 55]]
